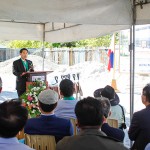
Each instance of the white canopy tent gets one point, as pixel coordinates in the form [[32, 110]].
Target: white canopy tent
[[67, 20], [62, 20], [142, 12]]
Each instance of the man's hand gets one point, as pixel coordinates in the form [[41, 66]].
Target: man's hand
[[23, 74]]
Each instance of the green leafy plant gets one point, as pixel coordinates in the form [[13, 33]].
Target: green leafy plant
[[30, 98]]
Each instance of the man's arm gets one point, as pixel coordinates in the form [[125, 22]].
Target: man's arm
[[134, 127], [70, 128], [113, 132], [16, 72]]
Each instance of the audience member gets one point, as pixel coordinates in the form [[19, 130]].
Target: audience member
[[117, 111], [65, 107], [110, 131], [139, 130], [48, 123], [13, 117], [147, 147], [89, 115]]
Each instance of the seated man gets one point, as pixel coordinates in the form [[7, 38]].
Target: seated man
[[139, 130], [13, 117], [65, 107], [89, 114], [117, 111], [110, 131], [48, 123]]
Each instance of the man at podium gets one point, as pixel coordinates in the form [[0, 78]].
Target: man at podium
[[20, 69]]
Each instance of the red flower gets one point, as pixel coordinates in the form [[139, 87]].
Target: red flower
[[29, 98]]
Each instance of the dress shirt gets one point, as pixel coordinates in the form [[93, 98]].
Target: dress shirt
[[12, 144]]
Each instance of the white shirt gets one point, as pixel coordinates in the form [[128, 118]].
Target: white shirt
[[116, 113]]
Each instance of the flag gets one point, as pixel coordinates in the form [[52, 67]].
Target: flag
[[111, 59]]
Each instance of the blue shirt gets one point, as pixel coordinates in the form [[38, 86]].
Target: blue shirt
[[12, 144], [65, 109], [147, 147]]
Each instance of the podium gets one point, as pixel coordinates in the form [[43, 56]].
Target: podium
[[36, 76]]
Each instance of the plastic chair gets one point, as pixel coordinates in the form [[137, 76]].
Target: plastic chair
[[40, 142], [113, 122], [73, 121]]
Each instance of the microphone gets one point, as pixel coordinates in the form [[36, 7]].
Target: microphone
[[31, 69]]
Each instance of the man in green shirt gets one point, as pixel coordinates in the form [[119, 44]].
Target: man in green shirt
[[65, 106], [20, 69]]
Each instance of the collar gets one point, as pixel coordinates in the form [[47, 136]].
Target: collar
[[90, 127], [48, 114], [69, 98], [9, 140], [23, 60], [96, 132], [91, 132]]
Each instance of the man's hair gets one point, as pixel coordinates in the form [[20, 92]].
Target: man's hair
[[23, 49], [108, 92], [89, 112], [46, 107], [66, 87], [97, 93], [105, 105], [13, 117], [146, 92]]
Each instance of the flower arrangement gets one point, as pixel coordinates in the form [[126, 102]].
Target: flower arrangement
[[30, 98]]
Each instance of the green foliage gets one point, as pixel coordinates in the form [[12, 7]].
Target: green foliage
[[27, 44], [96, 42], [56, 45], [103, 41], [66, 44], [117, 38], [69, 44]]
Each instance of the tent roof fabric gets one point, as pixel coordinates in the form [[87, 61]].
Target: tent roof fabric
[[63, 20], [84, 31], [143, 15], [100, 12]]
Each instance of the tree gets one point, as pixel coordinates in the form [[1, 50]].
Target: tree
[[103, 41], [27, 44], [96, 42]]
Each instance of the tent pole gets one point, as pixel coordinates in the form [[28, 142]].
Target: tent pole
[[132, 61], [131, 73], [119, 52], [43, 46], [113, 82]]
